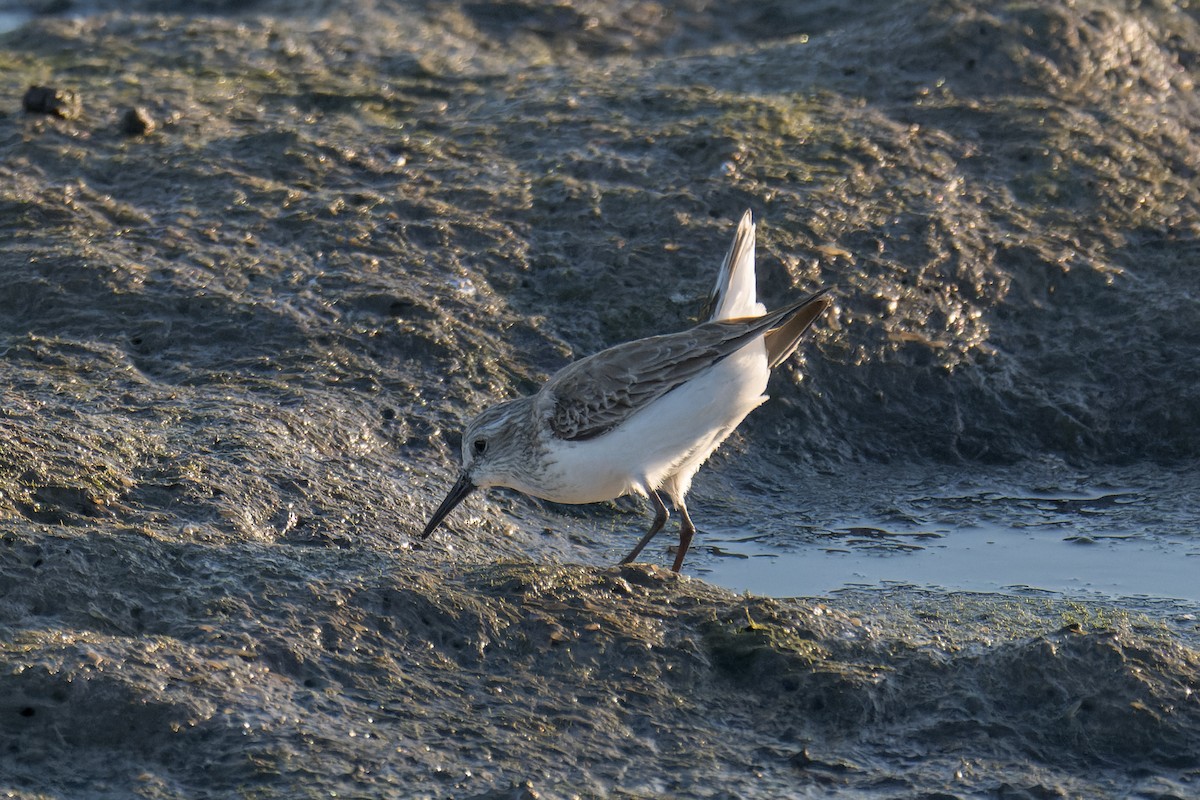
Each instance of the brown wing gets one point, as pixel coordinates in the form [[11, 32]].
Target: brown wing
[[598, 393]]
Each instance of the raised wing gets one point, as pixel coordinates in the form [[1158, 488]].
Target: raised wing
[[598, 393], [735, 292]]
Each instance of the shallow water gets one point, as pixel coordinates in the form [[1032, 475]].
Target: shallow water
[[11, 20], [1129, 536], [984, 558]]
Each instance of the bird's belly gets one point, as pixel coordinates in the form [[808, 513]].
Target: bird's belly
[[646, 448]]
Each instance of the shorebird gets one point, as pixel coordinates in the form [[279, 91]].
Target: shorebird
[[641, 417]]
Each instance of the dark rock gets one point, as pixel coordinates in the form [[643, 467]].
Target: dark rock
[[62, 103], [137, 121]]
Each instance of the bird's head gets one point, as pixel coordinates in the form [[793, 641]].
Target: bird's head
[[495, 446]]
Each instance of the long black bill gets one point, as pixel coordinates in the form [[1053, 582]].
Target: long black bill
[[462, 487]]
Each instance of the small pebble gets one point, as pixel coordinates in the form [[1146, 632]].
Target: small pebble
[[137, 121], [62, 103]]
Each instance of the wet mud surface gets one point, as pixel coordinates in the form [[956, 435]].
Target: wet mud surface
[[274, 255]]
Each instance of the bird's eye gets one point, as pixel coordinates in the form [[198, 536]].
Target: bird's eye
[[479, 447]]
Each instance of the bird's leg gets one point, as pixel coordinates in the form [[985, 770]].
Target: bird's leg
[[686, 530], [660, 519]]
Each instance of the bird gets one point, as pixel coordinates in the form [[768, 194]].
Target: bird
[[641, 417]]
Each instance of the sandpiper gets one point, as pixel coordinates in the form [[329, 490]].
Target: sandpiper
[[641, 417]]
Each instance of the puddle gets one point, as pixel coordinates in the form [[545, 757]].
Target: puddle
[[1078, 537], [11, 20], [980, 559]]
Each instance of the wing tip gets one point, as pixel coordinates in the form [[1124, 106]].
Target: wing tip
[[782, 340]]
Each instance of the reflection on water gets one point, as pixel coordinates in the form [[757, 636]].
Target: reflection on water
[[1073, 535], [11, 20]]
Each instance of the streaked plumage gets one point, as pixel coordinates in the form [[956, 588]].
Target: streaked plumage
[[641, 417]]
